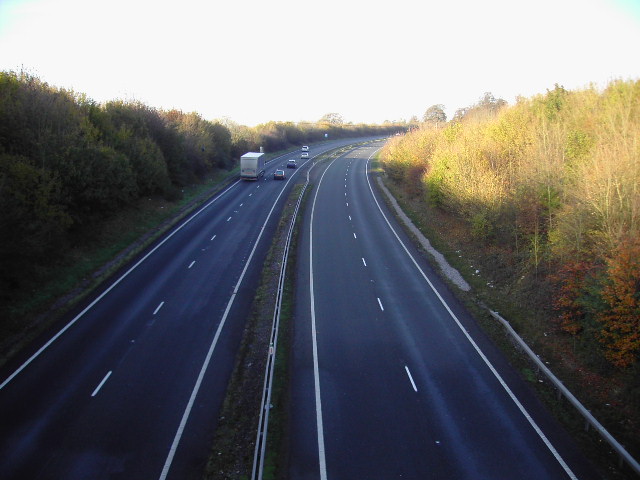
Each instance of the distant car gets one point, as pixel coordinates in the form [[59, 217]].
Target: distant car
[[304, 155], [278, 175], [292, 163], [305, 148]]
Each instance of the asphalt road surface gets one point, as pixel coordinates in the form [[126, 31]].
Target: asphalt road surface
[[391, 377], [129, 386]]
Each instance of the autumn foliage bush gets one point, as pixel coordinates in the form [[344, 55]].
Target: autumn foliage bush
[[620, 317]]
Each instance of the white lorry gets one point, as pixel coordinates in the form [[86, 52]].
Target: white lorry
[[252, 165]]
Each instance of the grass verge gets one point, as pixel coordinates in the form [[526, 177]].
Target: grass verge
[[96, 256]]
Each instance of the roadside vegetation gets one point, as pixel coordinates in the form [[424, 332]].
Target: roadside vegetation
[[539, 205], [75, 175]]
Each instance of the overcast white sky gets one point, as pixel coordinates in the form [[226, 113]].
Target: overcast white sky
[[255, 60]]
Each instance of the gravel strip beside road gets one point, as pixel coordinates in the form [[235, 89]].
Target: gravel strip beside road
[[450, 272]]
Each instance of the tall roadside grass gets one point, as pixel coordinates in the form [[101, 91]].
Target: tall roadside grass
[[546, 196]]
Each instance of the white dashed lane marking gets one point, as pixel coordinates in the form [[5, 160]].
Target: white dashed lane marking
[[158, 308]]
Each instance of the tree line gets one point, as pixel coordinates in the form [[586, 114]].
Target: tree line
[[550, 189], [68, 162]]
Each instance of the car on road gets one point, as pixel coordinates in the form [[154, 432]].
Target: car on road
[[278, 175], [292, 163], [304, 155], [305, 148]]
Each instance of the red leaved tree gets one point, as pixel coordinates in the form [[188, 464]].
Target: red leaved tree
[[571, 281], [621, 318]]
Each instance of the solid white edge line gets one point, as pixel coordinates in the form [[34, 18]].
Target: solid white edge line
[[194, 393], [104, 380], [111, 287], [413, 384], [262, 433], [207, 360], [511, 395]]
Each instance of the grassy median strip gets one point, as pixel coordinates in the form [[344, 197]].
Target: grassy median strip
[[234, 442], [233, 447]]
